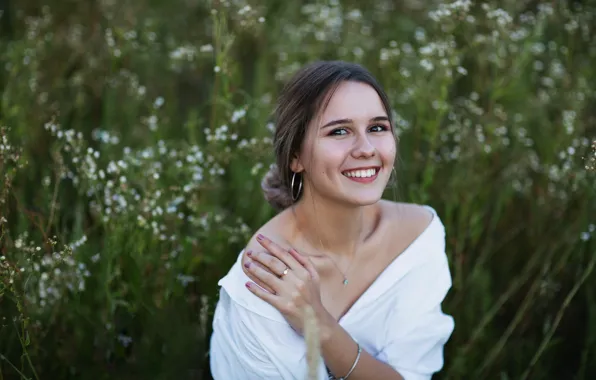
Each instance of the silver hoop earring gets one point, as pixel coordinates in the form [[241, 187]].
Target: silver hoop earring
[[295, 198]]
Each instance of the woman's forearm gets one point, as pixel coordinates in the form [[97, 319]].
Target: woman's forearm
[[339, 351]]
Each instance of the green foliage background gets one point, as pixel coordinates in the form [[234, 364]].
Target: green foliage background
[[134, 136]]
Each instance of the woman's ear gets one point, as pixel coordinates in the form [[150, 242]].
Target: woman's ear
[[296, 165]]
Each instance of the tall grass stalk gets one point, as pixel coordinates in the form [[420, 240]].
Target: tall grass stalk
[[313, 347], [551, 331]]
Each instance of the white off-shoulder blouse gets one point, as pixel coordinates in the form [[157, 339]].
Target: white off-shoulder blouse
[[398, 320]]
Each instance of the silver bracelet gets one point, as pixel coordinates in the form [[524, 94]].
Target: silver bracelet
[[331, 377]]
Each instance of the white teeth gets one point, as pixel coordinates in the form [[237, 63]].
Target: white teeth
[[361, 173]]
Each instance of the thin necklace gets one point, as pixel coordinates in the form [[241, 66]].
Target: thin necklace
[[345, 281], [345, 277]]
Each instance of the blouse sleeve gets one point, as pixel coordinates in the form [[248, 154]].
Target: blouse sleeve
[[418, 328], [247, 345]]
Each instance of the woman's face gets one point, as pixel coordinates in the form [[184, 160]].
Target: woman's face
[[350, 148]]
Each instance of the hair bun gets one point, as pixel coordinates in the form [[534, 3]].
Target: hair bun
[[276, 193]]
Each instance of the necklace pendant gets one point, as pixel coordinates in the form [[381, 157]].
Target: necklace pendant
[[345, 281]]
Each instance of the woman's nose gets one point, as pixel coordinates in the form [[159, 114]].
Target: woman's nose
[[363, 148]]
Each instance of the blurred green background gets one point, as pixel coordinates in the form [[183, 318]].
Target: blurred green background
[[134, 135]]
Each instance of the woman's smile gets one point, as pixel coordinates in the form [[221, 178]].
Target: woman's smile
[[363, 174]]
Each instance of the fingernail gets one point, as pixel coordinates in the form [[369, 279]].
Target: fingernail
[[247, 264], [249, 253], [260, 237], [247, 285]]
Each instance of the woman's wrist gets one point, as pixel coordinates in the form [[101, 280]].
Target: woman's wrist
[[338, 349], [327, 326]]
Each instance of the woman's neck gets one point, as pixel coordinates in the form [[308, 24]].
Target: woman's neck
[[333, 228]]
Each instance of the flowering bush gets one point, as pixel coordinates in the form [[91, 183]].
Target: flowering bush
[[133, 139]]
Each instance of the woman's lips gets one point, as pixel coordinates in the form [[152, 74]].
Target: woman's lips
[[362, 175]]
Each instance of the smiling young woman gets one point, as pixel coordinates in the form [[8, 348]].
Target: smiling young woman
[[375, 272]]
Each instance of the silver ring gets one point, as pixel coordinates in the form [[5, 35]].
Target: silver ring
[[285, 272]]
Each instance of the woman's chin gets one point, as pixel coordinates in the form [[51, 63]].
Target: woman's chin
[[365, 199], [355, 199]]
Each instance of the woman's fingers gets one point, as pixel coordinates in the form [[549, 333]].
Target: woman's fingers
[[279, 252], [265, 296], [246, 259], [265, 276], [305, 262], [268, 261]]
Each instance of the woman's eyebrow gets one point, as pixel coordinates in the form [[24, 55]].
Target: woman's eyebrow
[[348, 121]]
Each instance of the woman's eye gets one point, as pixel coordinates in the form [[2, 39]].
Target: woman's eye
[[339, 132], [379, 128], [374, 128]]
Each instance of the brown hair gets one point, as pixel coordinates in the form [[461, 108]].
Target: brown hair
[[303, 97]]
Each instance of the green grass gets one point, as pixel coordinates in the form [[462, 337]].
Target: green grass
[[134, 136]]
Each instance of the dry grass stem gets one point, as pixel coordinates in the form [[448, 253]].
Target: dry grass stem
[[313, 348]]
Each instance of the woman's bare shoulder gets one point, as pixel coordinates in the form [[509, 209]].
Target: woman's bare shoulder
[[408, 220], [410, 212], [275, 229]]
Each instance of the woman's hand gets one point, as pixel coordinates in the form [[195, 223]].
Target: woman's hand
[[264, 260], [291, 281]]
